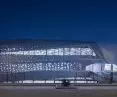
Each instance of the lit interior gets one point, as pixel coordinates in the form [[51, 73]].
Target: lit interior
[[58, 51]]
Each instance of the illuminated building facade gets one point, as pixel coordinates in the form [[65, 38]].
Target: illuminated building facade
[[23, 61]]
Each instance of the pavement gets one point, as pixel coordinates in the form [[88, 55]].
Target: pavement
[[54, 88], [50, 91]]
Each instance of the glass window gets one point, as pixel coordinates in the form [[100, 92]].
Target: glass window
[[60, 51], [66, 51], [73, 51]]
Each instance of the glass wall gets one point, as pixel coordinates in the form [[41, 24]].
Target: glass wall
[[46, 63]]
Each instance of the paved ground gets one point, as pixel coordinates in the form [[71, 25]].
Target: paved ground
[[13, 88], [51, 92]]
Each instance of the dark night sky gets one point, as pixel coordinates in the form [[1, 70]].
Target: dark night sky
[[88, 20]]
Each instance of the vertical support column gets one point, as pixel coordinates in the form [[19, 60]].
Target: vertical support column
[[101, 67], [62, 62], [92, 71], [54, 72], [80, 51], [111, 74], [9, 74], [77, 64], [85, 76], [7, 77]]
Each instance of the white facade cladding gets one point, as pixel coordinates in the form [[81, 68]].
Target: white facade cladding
[[107, 67], [114, 68], [98, 67], [110, 67], [9, 58], [57, 51], [49, 61], [44, 55]]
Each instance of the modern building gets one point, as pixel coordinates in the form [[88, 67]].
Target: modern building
[[49, 61]]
